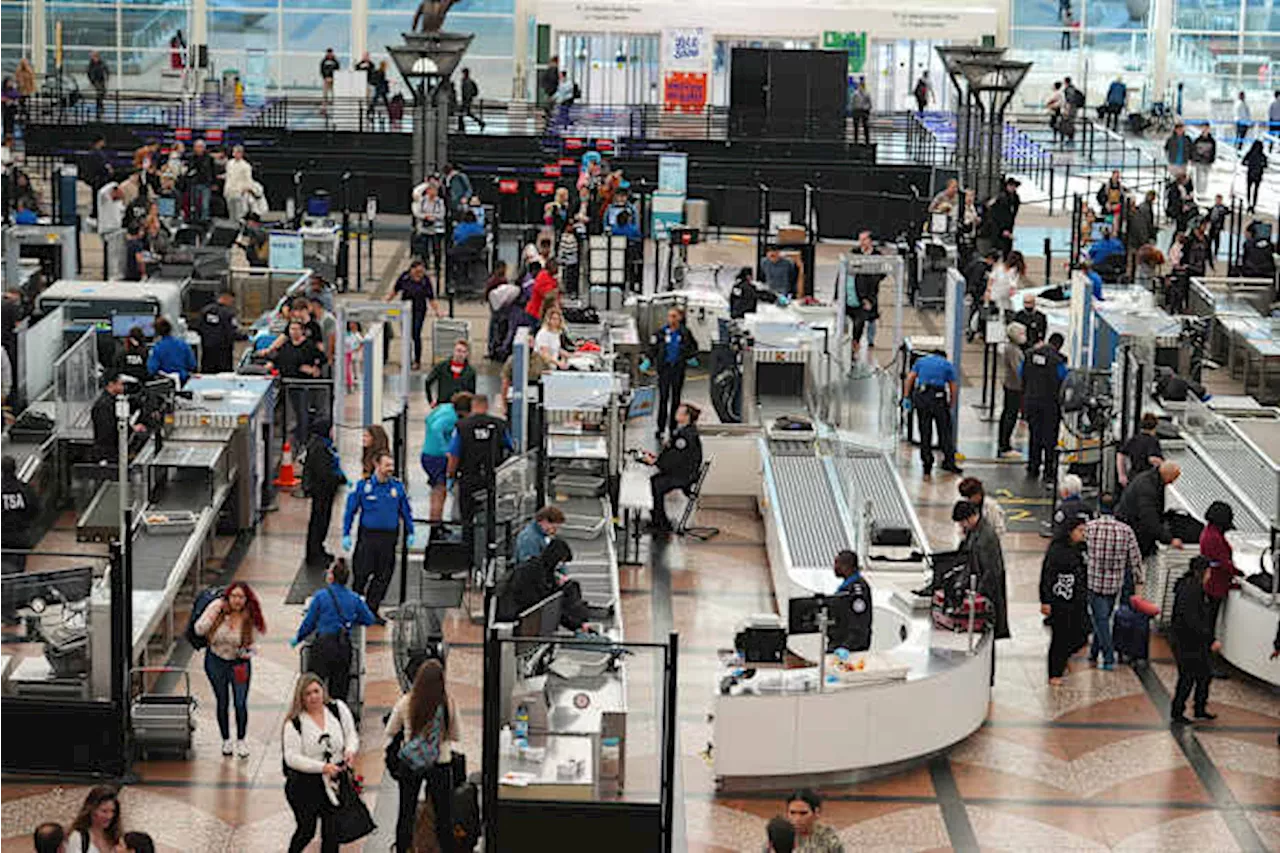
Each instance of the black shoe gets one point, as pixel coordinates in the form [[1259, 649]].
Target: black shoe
[[928, 470], [378, 620], [1179, 720], [1202, 714], [952, 468], [1033, 473]]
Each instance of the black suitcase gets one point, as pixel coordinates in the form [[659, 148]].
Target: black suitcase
[[1130, 634], [1183, 526]]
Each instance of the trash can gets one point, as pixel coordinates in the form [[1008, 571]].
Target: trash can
[[697, 211]]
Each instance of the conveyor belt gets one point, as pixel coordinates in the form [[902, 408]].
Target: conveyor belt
[[810, 515], [1250, 473], [154, 556], [1199, 486], [868, 477]]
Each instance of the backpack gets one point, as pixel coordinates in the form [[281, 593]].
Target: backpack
[[296, 722], [421, 752], [1075, 97], [203, 600], [921, 91]]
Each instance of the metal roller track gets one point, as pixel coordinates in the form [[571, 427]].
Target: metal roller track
[[1250, 472], [868, 478], [809, 511], [1199, 486]]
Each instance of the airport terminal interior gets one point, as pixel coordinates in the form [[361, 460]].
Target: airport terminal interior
[[489, 425]]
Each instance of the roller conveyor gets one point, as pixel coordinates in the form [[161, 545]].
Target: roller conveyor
[[870, 477], [1200, 486], [808, 510]]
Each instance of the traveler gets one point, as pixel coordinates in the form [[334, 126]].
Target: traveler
[[49, 838], [671, 348], [780, 836], [201, 172], [549, 80], [1204, 151], [922, 92], [1244, 121], [231, 623], [470, 91], [972, 490], [1219, 520], [97, 72], [1053, 104], [320, 740], [440, 424], [779, 274], [373, 441], [1001, 216], [1217, 217], [216, 325], [135, 252], [932, 388], [414, 286], [429, 219], [538, 533], [1255, 163], [985, 556], [1177, 150], [381, 88], [803, 807], [678, 464], [1193, 642], [333, 611], [1007, 278], [238, 185], [863, 309], [170, 354], [137, 842], [1141, 451], [861, 109], [96, 828], [430, 726], [1142, 508], [853, 632], [545, 287], [21, 508], [1117, 96], [1070, 499], [1063, 589], [457, 187], [1142, 223], [299, 359], [322, 476], [328, 64], [1011, 357], [544, 575], [1115, 565], [1043, 371], [1273, 118], [382, 502], [551, 341], [1034, 321]]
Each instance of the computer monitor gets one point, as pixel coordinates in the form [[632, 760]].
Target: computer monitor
[[802, 613], [19, 590], [122, 323], [167, 206], [540, 620]]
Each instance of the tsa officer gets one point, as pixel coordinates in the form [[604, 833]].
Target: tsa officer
[[106, 443], [671, 348], [853, 630], [931, 389], [217, 328], [677, 464], [1042, 371], [382, 502], [21, 507], [478, 446]]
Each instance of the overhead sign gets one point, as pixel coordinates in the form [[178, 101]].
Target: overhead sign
[[855, 44], [685, 91], [544, 187], [551, 170], [508, 186]]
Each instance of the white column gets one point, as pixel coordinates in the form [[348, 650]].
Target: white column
[[39, 37], [199, 23], [1161, 24], [359, 29], [522, 66]]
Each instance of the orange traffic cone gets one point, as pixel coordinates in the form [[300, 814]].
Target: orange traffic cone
[[287, 479]]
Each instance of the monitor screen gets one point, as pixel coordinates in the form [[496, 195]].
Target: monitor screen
[[122, 323], [167, 206], [540, 620], [644, 399], [802, 613]]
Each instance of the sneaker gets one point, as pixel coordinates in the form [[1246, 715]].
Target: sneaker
[[1204, 715], [1011, 454], [952, 468], [242, 749], [226, 747]]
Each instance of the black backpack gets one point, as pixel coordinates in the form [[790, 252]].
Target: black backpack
[[203, 600], [1075, 97], [296, 722]]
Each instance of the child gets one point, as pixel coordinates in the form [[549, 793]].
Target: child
[[1063, 593], [568, 255], [354, 339]]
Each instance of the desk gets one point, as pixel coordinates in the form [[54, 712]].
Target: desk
[[540, 780], [634, 499]]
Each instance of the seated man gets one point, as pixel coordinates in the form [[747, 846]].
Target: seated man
[[677, 464], [538, 533]]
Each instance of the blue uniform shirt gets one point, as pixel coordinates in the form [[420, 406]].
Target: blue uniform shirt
[[671, 346], [323, 618], [847, 583], [381, 506], [934, 371], [440, 423], [171, 355], [531, 542], [1096, 281], [464, 231]]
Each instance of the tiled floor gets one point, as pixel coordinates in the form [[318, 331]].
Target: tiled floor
[[1088, 766]]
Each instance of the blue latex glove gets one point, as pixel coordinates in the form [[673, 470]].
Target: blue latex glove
[[693, 362], [410, 540], [645, 364], [293, 643], [906, 403], [784, 301], [346, 542]]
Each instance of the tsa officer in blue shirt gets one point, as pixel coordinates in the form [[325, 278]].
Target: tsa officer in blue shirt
[[382, 503], [330, 616], [671, 348], [931, 390], [851, 627]]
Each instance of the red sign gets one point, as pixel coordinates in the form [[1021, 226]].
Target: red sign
[[182, 134], [573, 143], [685, 90], [214, 136], [544, 187], [508, 186], [551, 170], [567, 162], [604, 144]]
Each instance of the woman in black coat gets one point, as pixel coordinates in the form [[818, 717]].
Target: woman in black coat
[[536, 578], [1064, 582], [1193, 641]]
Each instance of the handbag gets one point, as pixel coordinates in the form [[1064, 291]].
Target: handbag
[[240, 672], [351, 819], [391, 755]]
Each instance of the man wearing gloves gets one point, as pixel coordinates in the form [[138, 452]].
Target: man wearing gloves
[[382, 502]]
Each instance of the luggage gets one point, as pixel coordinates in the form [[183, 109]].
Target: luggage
[[418, 636], [355, 686], [203, 599], [883, 534], [957, 617], [1183, 526], [162, 721], [1130, 634]]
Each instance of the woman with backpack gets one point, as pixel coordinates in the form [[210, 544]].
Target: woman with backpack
[[426, 721], [230, 624], [320, 740]]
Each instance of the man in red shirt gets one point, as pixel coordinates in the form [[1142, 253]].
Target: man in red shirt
[[544, 286]]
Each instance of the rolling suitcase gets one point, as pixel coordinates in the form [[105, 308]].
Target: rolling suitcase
[[355, 685], [162, 722], [1130, 634]]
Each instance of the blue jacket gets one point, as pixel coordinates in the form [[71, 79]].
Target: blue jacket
[[171, 355], [1104, 249], [440, 423], [381, 506], [1116, 93], [464, 231], [530, 542], [322, 617]]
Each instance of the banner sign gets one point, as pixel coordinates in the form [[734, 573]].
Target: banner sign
[[544, 187], [855, 44], [685, 91], [551, 171], [687, 53], [508, 186]]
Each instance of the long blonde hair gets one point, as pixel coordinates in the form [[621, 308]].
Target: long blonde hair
[[298, 705]]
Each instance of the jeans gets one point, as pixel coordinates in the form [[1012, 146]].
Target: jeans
[[439, 781], [416, 321], [1203, 170], [670, 387], [222, 680], [1242, 134], [200, 196], [871, 333], [1100, 608]]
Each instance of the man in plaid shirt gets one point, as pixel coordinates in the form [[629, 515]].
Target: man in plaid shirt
[[1113, 554]]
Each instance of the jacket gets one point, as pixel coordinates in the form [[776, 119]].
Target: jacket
[[1193, 628], [440, 424], [1204, 150], [1177, 149], [530, 542], [1011, 357], [657, 347], [446, 384], [1222, 569], [1142, 225], [1142, 508], [321, 473], [322, 617], [171, 355], [682, 457], [1255, 162], [1064, 574], [986, 557]]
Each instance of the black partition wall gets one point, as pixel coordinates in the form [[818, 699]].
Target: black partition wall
[[790, 94]]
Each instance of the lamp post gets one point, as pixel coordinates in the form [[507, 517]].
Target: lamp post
[[985, 83], [425, 61]]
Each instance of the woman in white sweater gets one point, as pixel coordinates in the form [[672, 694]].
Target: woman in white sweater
[[238, 184], [426, 710], [320, 739], [231, 624]]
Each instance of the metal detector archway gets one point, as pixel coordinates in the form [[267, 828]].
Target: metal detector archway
[[852, 264]]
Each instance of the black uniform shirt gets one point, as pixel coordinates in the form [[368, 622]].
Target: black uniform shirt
[[217, 327], [133, 362], [103, 415], [851, 621], [682, 455], [480, 445], [1040, 374], [291, 357], [21, 507], [1139, 448]]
